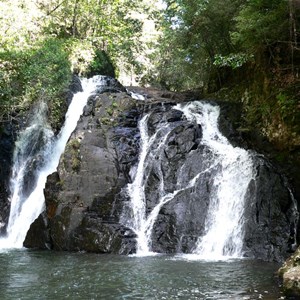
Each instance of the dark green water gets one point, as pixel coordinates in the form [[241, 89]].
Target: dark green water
[[51, 275]]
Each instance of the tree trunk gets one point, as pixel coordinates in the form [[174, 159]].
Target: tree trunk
[[74, 28]]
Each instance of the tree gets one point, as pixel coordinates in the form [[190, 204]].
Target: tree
[[195, 33], [35, 33]]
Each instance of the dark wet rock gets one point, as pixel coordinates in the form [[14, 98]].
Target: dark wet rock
[[230, 122], [38, 235], [85, 199], [7, 139], [80, 197], [270, 231], [270, 212], [74, 87], [111, 85]]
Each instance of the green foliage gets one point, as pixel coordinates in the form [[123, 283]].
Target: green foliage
[[43, 41], [20, 23], [202, 37], [261, 23], [47, 71], [47, 74], [288, 109], [81, 55], [196, 33], [104, 25], [42, 72], [11, 79], [232, 60], [101, 64]]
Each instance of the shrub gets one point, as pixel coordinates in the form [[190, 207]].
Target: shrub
[[101, 64]]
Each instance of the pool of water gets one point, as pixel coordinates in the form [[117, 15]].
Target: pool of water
[[31, 274]]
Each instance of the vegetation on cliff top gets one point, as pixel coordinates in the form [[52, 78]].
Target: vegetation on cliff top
[[245, 50], [43, 42]]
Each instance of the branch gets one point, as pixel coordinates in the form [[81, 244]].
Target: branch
[[55, 8], [52, 10]]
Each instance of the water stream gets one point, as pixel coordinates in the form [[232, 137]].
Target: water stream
[[223, 236], [37, 143], [224, 223]]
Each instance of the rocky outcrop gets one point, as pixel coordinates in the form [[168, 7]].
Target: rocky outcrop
[[271, 213], [9, 132], [290, 276], [81, 198], [85, 199], [74, 87]]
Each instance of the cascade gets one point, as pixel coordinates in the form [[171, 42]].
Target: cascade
[[223, 232], [139, 222], [37, 144]]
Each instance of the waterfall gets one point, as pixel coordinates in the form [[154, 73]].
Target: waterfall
[[224, 223], [223, 233], [136, 190], [38, 149]]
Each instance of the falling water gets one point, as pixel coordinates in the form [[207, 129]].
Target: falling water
[[223, 235], [224, 223], [37, 143], [136, 190]]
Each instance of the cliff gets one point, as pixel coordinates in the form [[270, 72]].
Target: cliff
[[85, 198]]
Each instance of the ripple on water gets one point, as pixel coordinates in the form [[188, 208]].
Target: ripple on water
[[55, 275]]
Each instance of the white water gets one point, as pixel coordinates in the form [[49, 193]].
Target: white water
[[25, 210], [137, 96], [138, 221], [224, 233], [224, 224]]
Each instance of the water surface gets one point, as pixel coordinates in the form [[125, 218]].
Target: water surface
[[28, 274]]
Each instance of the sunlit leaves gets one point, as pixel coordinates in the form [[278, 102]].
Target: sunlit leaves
[[19, 23], [233, 60]]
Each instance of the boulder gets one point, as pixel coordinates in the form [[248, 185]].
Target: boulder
[[289, 273]]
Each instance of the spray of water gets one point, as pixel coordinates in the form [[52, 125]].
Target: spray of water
[[26, 207], [223, 235], [225, 222]]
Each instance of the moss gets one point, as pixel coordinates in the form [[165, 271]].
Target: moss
[[110, 111], [269, 106], [76, 163], [105, 121], [74, 160], [74, 144]]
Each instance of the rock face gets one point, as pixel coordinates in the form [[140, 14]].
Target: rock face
[[272, 217], [81, 198], [85, 199], [290, 276], [6, 155], [9, 132]]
